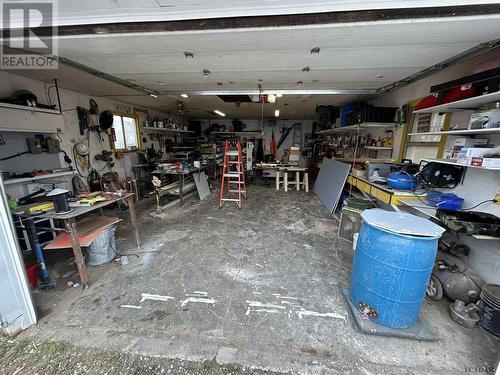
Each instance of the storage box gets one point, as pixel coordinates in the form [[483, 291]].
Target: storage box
[[486, 162], [459, 143], [473, 151], [485, 119]]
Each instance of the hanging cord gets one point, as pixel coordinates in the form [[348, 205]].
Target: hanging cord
[[480, 203], [427, 205], [15, 155], [354, 159]]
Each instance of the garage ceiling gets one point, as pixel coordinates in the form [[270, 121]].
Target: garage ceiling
[[77, 12], [363, 55]]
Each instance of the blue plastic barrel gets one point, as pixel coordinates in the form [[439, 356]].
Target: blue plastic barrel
[[393, 262]]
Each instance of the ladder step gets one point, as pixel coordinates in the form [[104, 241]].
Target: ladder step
[[236, 182], [232, 153], [230, 200], [233, 162], [233, 174]]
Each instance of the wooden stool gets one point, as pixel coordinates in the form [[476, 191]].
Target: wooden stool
[[279, 179], [297, 182]]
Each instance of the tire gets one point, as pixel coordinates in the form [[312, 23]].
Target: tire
[[434, 289]]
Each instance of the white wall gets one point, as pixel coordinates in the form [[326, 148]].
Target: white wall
[[9, 83], [253, 125], [478, 185]]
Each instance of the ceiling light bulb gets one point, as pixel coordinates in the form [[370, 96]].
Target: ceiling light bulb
[[222, 114], [306, 69], [185, 96], [153, 95], [271, 98], [279, 95], [315, 50], [206, 73], [300, 83], [161, 83], [276, 113], [188, 55]]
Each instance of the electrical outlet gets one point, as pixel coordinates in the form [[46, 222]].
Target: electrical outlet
[[497, 198]]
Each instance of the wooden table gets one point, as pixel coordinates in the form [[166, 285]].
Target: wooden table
[[69, 220], [293, 169]]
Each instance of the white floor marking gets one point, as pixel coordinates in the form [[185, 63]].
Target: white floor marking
[[131, 307], [154, 297], [198, 300], [201, 293], [264, 305], [302, 313]]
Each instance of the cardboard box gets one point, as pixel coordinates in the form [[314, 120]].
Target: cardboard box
[[485, 162], [491, 162], [473, 151], [485, 119]]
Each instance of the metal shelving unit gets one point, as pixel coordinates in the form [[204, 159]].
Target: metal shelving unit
[[461, 105], [358, 127]]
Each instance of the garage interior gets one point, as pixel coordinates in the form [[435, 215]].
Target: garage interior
[[279, 189]]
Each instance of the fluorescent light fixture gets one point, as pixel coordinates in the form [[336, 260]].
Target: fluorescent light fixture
[[185, 96], [276, 113], [279, 95], [153, 95], [222, 114]]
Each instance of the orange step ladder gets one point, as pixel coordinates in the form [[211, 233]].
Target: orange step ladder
[[233, 174]]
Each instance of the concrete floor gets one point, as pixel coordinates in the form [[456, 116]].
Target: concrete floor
[[263, 271]]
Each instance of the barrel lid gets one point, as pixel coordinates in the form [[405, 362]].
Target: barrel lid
[[402, 223]]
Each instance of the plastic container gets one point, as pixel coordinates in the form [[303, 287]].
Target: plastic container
[[31, 270], [102, 249], [393, 262], [401, 180], [489, 309], [447, 201]]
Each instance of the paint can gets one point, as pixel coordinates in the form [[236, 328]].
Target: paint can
[[60, 198], [102, 249], [489, 309]]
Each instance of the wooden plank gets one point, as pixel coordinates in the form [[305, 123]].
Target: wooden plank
[[91, 223]]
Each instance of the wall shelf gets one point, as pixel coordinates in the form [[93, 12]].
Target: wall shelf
[[15, 181], [21, 118], [453, 162], [166, 130], [365, 160], [28, 108], [463, 105], [377, 148], [461, 132], [362, 126], [252, 133]]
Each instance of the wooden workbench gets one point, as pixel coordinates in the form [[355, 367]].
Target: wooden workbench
[[381, 192], [69, 220]]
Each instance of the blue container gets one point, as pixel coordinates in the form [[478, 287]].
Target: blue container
[[401, 180], [393, 262], [447, 201]]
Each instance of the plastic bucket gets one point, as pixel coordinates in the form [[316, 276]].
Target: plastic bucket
[[31, 273], [391, 270], [102, 249]]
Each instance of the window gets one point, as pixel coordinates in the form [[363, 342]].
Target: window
[[126, 134]]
